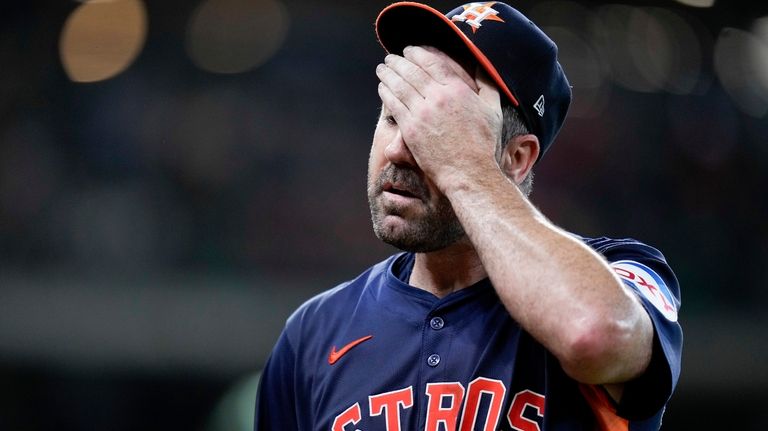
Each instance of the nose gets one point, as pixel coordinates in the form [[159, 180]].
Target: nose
[[398, 153]]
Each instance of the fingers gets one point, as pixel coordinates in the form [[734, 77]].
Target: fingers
[[410, 77], [416, 76], [426, 79], [392, 103], [441, 67], [397, 77]]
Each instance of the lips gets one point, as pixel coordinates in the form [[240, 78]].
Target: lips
[[402, 184], [400, 190]]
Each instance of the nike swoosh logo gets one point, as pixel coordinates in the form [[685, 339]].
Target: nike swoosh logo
[[335, 355]]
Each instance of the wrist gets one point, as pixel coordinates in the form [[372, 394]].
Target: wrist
[[457, 183]]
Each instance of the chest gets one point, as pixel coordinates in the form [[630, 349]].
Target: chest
[[446, 370]]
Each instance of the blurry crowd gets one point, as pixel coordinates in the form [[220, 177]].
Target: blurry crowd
[[166, 167]]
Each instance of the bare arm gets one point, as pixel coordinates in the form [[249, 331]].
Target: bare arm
[[558, 289]]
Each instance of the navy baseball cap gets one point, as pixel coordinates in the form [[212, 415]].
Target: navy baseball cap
[[515, 53]]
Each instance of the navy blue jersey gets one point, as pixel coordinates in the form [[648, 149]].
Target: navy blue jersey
[[376, 354]]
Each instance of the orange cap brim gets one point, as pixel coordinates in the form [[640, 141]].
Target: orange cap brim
[[402, 16]]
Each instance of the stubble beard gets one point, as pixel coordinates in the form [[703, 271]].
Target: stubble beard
[[434, 229]]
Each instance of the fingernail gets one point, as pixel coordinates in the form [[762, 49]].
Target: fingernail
[[407, 48], [380, 67]]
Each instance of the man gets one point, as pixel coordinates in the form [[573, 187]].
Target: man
[[492, 317]]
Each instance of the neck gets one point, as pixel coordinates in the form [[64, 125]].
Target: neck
[[448, 270]]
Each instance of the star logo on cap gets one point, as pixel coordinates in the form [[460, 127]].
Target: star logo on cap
[[475, 13]]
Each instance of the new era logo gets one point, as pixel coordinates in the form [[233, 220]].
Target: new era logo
[[539, 105]]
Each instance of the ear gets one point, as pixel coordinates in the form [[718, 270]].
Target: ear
[[519, 157]]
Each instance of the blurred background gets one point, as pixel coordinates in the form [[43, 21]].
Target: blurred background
[[177, 176]]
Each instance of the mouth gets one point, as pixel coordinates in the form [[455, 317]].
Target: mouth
[[399, 190]]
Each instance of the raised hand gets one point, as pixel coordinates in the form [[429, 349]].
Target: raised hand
[[450, 121]]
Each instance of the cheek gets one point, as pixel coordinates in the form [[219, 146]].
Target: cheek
[[376, 159], [435, 195], [375, 165]]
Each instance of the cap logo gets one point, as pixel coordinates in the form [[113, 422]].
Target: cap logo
[[475, 13], [539, 105]]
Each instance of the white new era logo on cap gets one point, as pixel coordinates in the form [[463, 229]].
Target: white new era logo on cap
[[539, 105]]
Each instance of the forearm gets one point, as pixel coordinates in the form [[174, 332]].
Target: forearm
[[562, 292]]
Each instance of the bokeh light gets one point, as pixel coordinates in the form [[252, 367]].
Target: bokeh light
[[741, 63], [234, 412], [759, 54], [568, 24], [234, 36], [678, 69], [620, 41], [650, 49], [102, 38], [697, 3], [585, 73]]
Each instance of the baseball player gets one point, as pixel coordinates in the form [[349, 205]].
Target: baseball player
[[492, 318]]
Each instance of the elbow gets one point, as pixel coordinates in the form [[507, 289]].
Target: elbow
[[604, 351]]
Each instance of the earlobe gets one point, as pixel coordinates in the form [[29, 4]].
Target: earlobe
[[519, 157]]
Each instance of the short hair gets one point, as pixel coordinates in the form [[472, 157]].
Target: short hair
[[513, 125]]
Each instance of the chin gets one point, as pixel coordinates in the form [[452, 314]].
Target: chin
[[413, 238]]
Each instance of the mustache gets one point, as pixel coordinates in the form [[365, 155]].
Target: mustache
[[405, 178]]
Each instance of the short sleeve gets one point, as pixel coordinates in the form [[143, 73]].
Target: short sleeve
[[645, 271]]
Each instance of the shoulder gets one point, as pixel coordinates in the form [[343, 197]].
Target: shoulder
[[629, 254], [614, 249], [643, 268], [331, 305]]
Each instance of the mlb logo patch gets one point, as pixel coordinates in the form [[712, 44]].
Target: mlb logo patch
[[649, 284]]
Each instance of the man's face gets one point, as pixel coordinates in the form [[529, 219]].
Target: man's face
[[407, 210]]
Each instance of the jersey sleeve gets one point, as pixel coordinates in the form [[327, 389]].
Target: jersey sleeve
[[276, 400], [645, 271]]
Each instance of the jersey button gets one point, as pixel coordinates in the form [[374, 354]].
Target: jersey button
[[437, 323], [433, 360]]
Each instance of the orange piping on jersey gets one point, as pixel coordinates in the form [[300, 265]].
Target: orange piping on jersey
[[605, 413]]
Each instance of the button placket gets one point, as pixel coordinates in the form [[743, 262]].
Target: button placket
[[436, 323]]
